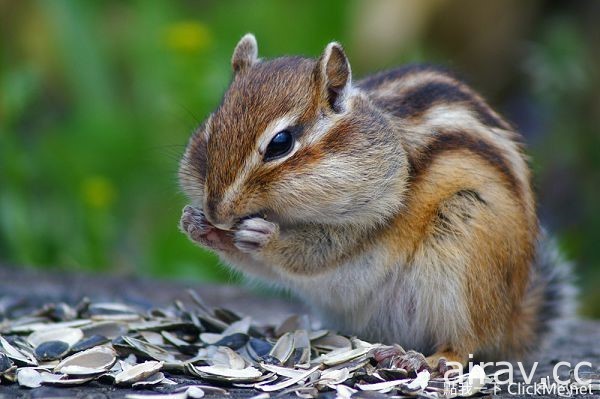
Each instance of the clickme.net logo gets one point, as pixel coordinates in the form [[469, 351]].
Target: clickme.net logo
[[583, 378]]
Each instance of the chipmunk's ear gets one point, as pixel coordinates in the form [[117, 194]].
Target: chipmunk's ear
[[245, 53], [335, 75]]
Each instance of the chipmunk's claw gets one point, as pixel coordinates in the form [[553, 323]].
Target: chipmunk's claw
[[252, 234], [193, 223], [396, 357], [197, 227], [412, 361]]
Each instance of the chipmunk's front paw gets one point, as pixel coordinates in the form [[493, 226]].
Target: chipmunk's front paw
[[253, 234], [195, 225]]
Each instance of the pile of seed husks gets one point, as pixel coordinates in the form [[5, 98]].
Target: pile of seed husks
[[114, 343]]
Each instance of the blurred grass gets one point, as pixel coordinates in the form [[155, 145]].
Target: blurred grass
[[97, 101]]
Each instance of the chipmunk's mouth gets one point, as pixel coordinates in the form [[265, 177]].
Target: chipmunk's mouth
[[233, 225], [261, 215], [224, 227], [251, 216]]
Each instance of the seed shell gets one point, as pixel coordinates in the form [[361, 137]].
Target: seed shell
[[29, 377], [68, 335], [89, 362], [51, 350], [284, 348], [20, 357], [121, 345], [89, 343], [5, 363], [138, 372]]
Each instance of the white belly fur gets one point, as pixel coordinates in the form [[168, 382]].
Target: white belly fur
[[375, 298]]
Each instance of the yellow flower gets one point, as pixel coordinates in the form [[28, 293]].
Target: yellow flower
[[187, 37], [98, 192]]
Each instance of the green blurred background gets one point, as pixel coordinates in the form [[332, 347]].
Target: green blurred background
[[97, 100]]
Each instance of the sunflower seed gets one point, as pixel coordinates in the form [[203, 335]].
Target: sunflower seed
[[334, 377], [332, 342], [234, 341], [228, 374], [89, 343], [301, 356], [148, 350], [195, 392], [173, 339], [154, 379], [153, 338], [111, 309], [383, 387], [138, 372], [108, 329], [89, 362], [284, 348], [213, 390], [29, 377], [258, 348], [226, 357], [416, 385], [314, 335], [9, 375], [344, 356], [344, 392], [64, 380], [291, 324], [212, 324], [5, 363], [210, 338], [226, 315], [51, 350], [289, 382], [68, 335], [20, 357], [282, 371], [38, 326]]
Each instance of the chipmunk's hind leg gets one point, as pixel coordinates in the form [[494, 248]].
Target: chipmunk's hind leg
[[446, 359], [440, 362]]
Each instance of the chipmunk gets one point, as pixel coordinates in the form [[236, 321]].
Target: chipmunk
[[400, 205]]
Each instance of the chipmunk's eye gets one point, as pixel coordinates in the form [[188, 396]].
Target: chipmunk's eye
[[280, 145]]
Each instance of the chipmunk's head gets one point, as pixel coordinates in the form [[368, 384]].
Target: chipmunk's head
[[294, 140]]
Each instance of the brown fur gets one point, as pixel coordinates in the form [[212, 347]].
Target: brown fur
[[402, 181]]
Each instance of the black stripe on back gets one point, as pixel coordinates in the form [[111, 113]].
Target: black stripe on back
[[418, 100], [374, 81], [457, 140]]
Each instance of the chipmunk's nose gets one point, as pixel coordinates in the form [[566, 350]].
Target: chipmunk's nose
[[219, 215]]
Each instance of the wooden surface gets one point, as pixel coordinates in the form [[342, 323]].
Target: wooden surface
[[24, 290]]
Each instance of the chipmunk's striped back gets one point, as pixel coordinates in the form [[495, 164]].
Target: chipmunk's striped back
[[465, 160], [438, 113]]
